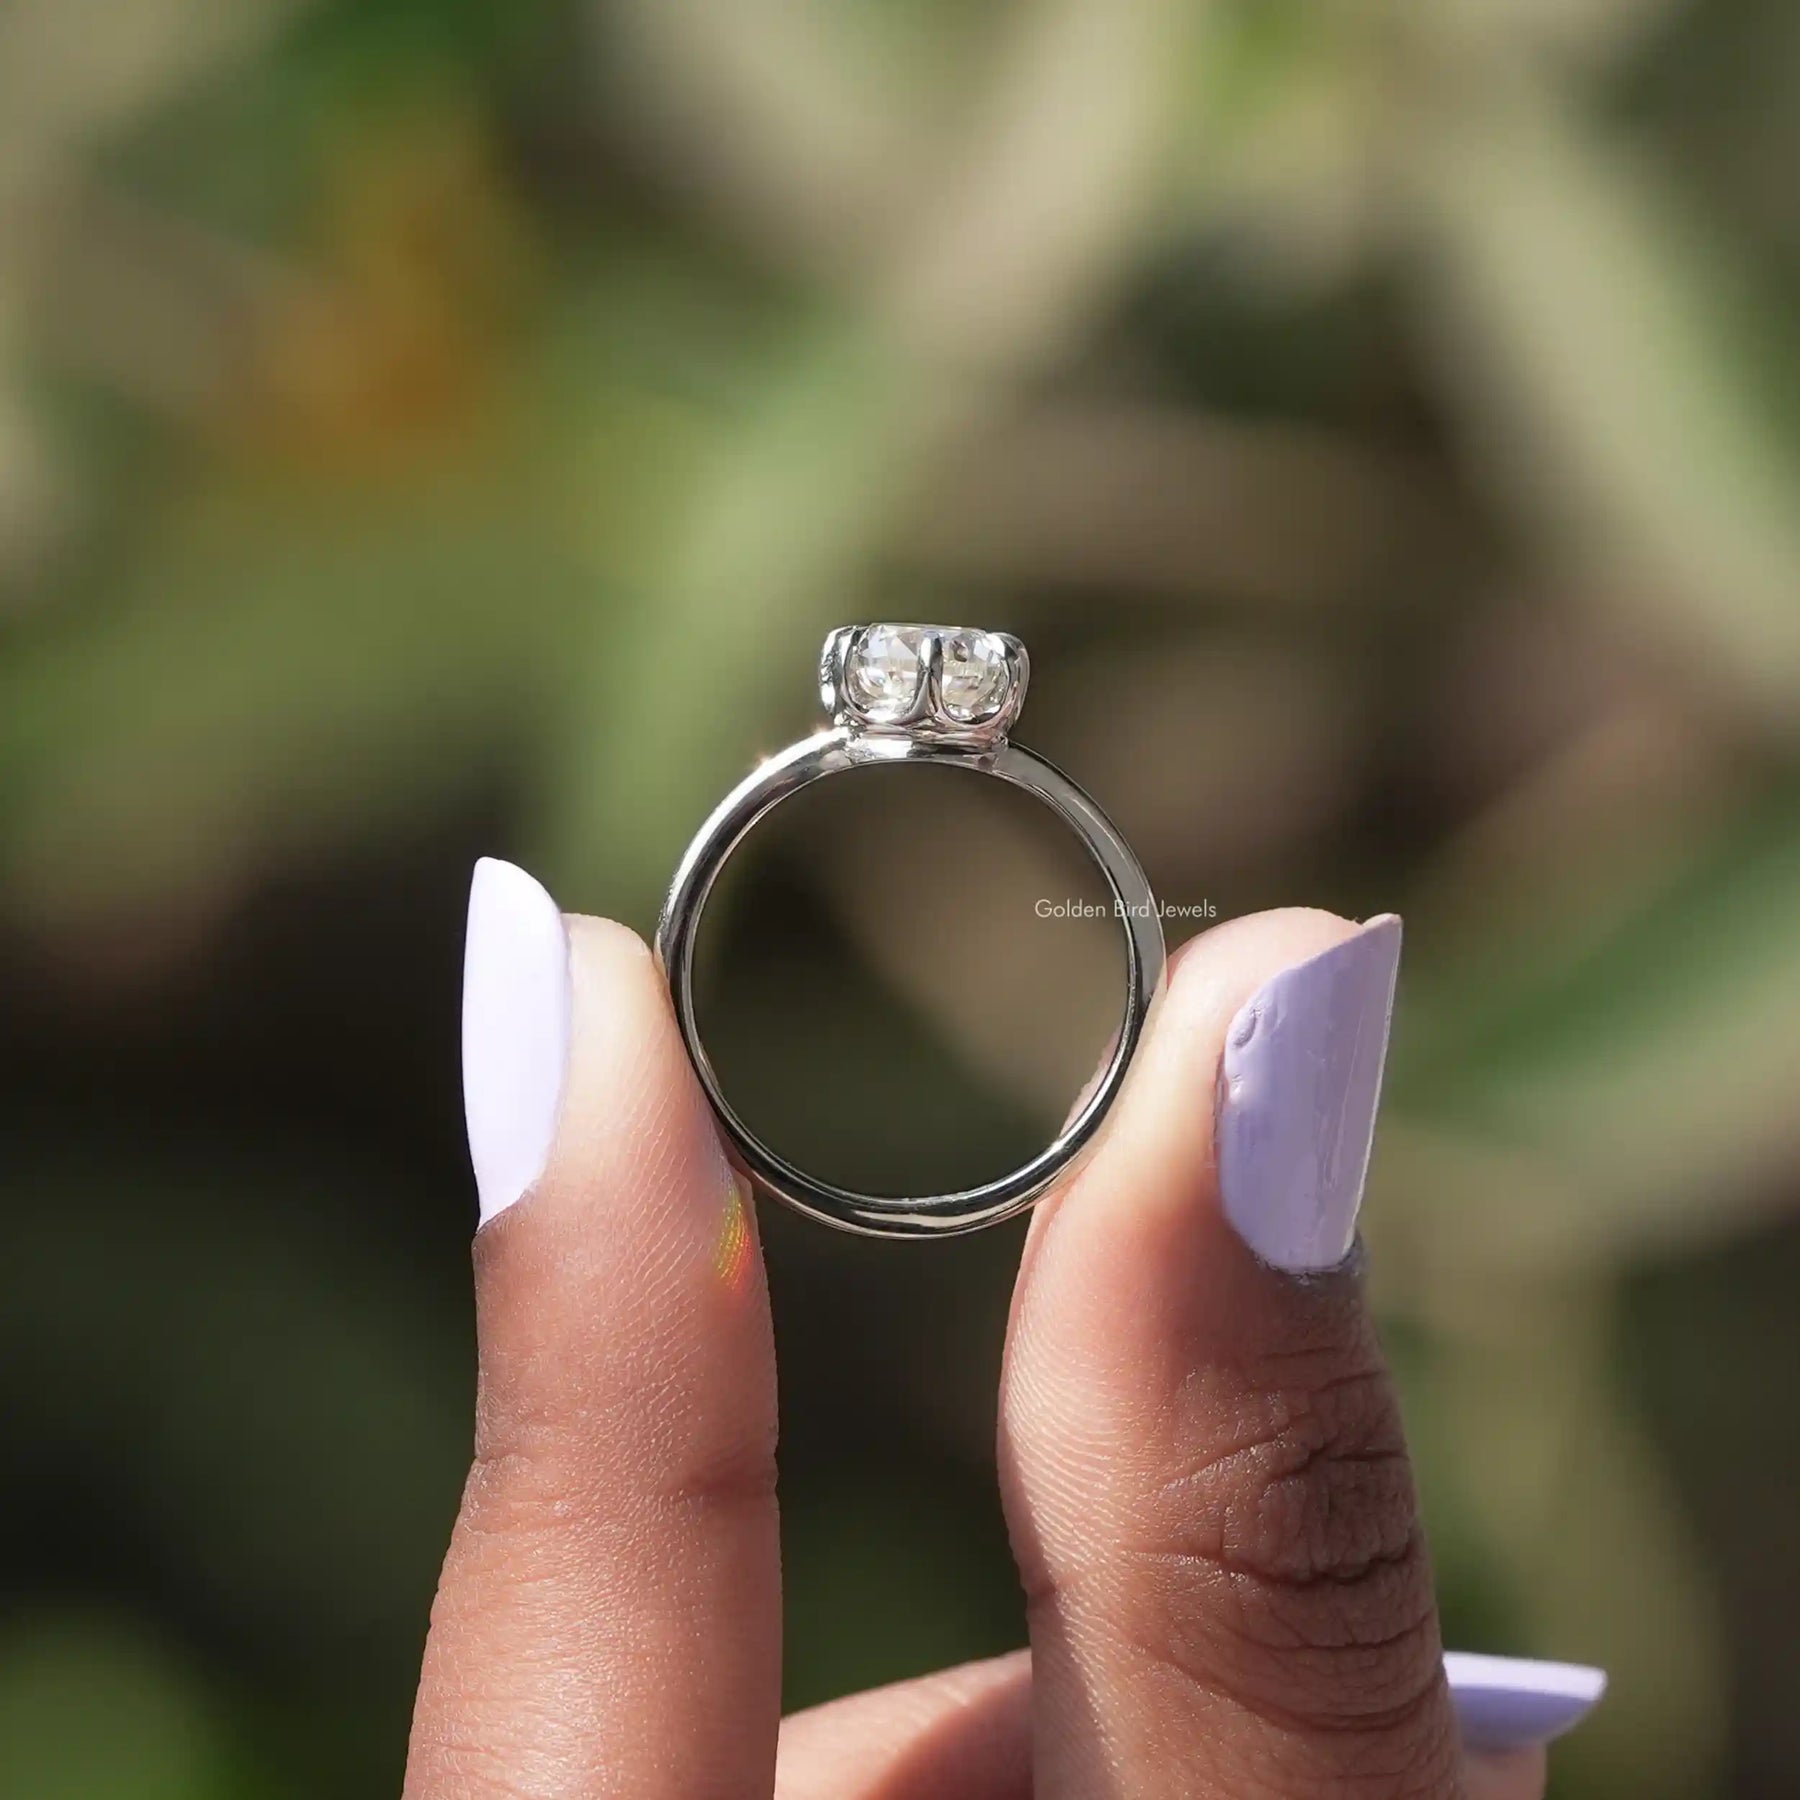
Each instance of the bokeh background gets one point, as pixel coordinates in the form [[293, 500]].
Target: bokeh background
[[436, 427]]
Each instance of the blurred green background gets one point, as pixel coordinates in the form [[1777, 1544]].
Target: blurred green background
[[435, 427]]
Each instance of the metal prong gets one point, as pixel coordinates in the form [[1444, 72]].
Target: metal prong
[[832, 657]]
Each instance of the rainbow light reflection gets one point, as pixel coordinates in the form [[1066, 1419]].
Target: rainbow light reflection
[[734, 1252]]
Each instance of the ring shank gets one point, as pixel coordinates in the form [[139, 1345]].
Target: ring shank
[[836, 752]]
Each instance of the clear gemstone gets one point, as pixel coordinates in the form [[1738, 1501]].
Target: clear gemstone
[[974, 678], [886, 671]]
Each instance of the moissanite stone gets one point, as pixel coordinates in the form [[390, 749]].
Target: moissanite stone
[[974, 678], [886, 670]]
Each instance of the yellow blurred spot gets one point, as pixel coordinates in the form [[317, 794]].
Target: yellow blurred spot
[[390, 344]]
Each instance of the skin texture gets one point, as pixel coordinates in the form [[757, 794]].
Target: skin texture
[[1201, 1461]]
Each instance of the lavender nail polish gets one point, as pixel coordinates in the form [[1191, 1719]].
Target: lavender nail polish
[[1504, 1702], [1298, 1089]]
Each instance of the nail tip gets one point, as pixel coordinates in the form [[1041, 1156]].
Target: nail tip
[[1300, 1081], [514, 1029], [1506, 1702], [495, 875], [1367, 954]]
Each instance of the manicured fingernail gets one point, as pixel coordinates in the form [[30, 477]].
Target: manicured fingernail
[[1298, 1088], [515, 1030], [1505, 1703]]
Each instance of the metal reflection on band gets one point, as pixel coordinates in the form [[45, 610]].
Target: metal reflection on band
[[915, 694]]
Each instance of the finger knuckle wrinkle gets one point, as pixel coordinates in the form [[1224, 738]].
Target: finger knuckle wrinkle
[[1319, 1495], [734, 1475], [545, 1475], [533, 1480], [1303, 1539]]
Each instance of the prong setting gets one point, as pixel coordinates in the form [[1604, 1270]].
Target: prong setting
[[939, 684]]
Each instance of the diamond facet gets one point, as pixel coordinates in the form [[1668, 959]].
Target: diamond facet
[[974, 679], [885, 671]]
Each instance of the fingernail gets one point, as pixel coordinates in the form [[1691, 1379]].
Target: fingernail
[[1298, 1089], [1505, 1702], [515, 1030]]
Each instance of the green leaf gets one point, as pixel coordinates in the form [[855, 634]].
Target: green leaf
[[1593, 340], [1638, 1096]]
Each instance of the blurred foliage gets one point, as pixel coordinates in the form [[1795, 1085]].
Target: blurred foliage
[[426, 424]]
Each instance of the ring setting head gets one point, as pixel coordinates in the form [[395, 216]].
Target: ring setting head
[[944, 684]]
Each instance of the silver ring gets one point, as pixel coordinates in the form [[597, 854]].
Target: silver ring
[[915, 694]]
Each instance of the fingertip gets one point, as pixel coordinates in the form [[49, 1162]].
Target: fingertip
[[1240, 953], [630, 1233], [533, 978], [607, 951], [632, 1107], [582, 1104], [1149, 1196], [1158, 1150]]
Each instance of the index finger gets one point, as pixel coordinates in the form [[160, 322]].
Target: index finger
[[609, 1617]]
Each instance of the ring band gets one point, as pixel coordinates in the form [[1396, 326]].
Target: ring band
[[915, 694]]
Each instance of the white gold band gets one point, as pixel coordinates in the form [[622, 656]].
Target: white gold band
[[920, 731]]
